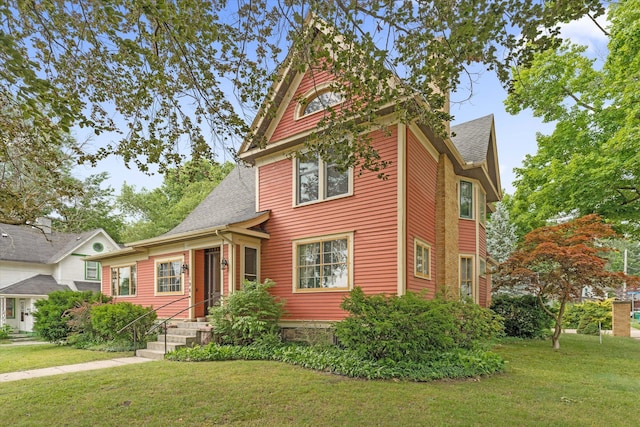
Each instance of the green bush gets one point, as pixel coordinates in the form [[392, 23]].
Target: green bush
[[51, 316], [247, 315], [587, 317], [108, 319], [523, 316], [411, 328], [5, 330]]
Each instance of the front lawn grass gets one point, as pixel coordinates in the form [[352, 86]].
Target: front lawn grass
[[585, 383], [35, 356]]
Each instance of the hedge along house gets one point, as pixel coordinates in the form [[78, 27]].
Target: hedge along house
[[318, 232]]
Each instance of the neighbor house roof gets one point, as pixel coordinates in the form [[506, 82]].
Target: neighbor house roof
[[233, 201], [23, 243], [472, 138], [87, 286], [41, 284]]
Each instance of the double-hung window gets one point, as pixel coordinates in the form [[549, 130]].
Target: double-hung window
[[317, 180], [91, 270], [323, 263], [466, 199], [422, 262], [466, 277], [169, 276], [250, 264], [123, 280], [10, 308]]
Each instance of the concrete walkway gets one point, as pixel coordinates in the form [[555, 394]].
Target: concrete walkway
[[57, 370]]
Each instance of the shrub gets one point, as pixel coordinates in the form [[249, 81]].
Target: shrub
[[247, 314], [411, 328], [523, 316], [108, 319], [587, 317], [51, 320], [5, 330]]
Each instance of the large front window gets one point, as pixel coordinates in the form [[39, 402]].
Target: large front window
[[169, 276], [317, 180], [123, 280], [323, 263]]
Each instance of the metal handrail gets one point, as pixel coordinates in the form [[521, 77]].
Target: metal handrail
[[154, 327]]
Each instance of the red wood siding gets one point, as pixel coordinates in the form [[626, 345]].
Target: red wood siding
[[146, 287], [370, 213], [288, 125], [420, 210], [467, 238]]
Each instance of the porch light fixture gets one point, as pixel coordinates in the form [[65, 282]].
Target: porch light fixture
[[185, 268], [224, 263]]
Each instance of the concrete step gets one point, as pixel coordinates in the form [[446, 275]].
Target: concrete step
[[160, 346], [187, 332], [179, 339], [150, 354], [187, 325]]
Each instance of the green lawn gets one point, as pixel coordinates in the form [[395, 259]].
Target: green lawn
[[20, 358], [585, 383]]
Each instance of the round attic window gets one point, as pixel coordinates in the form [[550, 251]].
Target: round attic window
[[98, 247]]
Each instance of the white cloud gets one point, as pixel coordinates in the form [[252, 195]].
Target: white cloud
[[585, 32]]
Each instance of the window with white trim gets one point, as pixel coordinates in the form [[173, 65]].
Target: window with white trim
[[92, 270], [317, 180], [250, 264], [466, 277], [422, 259], [169, 276], [123, 280], [482, 207], [323, 263], [466, 199]]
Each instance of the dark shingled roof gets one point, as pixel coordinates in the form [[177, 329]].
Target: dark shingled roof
[[87, 286], [472, 138], [27, 244], [41, 284], [232, 201]]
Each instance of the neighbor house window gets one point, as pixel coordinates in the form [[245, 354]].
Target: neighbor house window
[[250, 264], [323, 263], [422, 262], [169, 276], [466, 277], [10, 308], [91, 270], [123, 280], [317, 180], [321, 102], [466, 199]]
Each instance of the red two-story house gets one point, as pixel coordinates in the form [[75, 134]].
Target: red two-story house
[[318, 232]]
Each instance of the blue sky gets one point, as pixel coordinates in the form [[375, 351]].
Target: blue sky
[[516, 135]]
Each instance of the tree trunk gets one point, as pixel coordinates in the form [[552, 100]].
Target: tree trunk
[[555, 339]]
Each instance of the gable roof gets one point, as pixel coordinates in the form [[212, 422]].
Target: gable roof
[[233, 201], [40, 284], [23, 243], [472, 138]]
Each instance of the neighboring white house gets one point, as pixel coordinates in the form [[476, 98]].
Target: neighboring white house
[[36, 261]]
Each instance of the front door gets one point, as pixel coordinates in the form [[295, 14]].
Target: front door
[[23, 316], [211, 277]]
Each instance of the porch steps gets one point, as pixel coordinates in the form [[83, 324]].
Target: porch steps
[[179, 334]]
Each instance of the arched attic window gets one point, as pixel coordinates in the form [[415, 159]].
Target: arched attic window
[[318, 100]]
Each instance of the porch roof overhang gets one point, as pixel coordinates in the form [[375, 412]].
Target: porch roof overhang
[[240, 228]]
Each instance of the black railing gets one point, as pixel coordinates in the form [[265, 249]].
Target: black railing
[[163, 323]]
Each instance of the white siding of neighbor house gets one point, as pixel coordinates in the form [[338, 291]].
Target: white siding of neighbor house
[[71, 268], [12, 272]]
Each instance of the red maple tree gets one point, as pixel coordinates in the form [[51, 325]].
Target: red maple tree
[[557, 262]]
